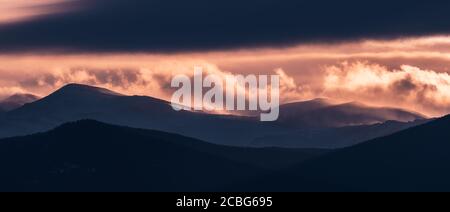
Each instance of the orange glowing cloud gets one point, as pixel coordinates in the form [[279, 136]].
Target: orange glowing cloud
[[411, 73], [408, 87], [18, 10]]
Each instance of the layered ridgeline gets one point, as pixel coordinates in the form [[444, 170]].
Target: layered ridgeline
[[416, 159], [92, 156], [74, 102], [326, 113], [297, 127]]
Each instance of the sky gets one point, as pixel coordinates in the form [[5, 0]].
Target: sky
[[20, 10], [378, 53]]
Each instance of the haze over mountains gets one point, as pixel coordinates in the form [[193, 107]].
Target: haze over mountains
[[325, 113], [313, 124]]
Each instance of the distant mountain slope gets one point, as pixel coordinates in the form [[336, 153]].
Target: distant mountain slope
[[92, 156], [323, 113], [299, 108], [15, 101], [417, 159], [74, 102]]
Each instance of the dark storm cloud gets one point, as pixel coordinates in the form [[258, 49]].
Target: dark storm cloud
[[405, 86], [181, 25]]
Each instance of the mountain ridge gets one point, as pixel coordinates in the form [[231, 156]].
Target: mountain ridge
[[74, 102], [415, 159], [323, 113], [88, 155]]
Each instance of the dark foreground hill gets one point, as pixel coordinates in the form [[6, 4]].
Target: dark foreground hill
[[417, 159], [92, 156]]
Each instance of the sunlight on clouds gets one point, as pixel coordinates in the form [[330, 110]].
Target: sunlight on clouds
[[411, 73], [7, 91], [290, 90], [18, 10], [410, 87]]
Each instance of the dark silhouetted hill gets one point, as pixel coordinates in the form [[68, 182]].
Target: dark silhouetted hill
[[92, 156], [416, 159]]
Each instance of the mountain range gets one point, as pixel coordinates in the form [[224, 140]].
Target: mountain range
[[350, 124], [322, 113], [92, 156]]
